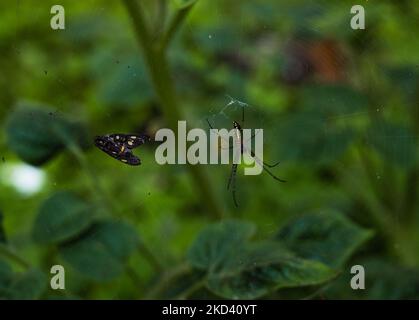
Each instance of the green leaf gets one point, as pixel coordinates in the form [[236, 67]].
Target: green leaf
[[260, 268], [27, 286], [217, 242], [2, 233], [37, 134], [327, 237], [239, 269], [101, 253], [61, 217], [395, 142]]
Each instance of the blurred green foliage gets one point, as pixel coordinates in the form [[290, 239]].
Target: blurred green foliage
[[339, 109]]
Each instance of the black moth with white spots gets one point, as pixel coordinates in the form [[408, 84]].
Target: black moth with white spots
[[119, 146]]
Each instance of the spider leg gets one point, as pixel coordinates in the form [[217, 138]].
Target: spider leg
[[253, 135], [234, 198], [265, 167], [232, 175], [232, 183], [209, 124], [264, 163], [272, 175], [271, 165]]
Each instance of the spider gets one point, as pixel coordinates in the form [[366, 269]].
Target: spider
[[232, 178]]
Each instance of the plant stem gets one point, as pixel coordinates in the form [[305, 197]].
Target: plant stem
[[167, 278], [150, 256], [162, 81], [9, 254], [174, 25], [190, 290], [379, 214], [161, 17], [133, 276]]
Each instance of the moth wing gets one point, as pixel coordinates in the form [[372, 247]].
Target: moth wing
[[107, 146], [119, 138], [129, 158], [119, 146], [135, 140]]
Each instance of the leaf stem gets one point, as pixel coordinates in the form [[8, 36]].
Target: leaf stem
[[161, 17], [162, 81], [379, 214], [9, 254], [167, 278], [191, 289], [174, 25], [150, 256]]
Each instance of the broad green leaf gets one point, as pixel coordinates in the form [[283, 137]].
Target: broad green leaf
[[307, 137], [61, 217], [37, 134], [261, 268], [239, 269], [2, 233], [101, 253], [327, 237], [396, 143], [217, 242], [27, 286]]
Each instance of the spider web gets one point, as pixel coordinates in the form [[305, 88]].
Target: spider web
[[247, 115]]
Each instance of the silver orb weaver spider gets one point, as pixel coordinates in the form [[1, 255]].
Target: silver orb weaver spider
[[239, 140]]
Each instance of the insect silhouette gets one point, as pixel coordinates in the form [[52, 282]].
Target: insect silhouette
[[119, 146], [238, 135]]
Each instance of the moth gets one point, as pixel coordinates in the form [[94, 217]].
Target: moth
[[119, 146]]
